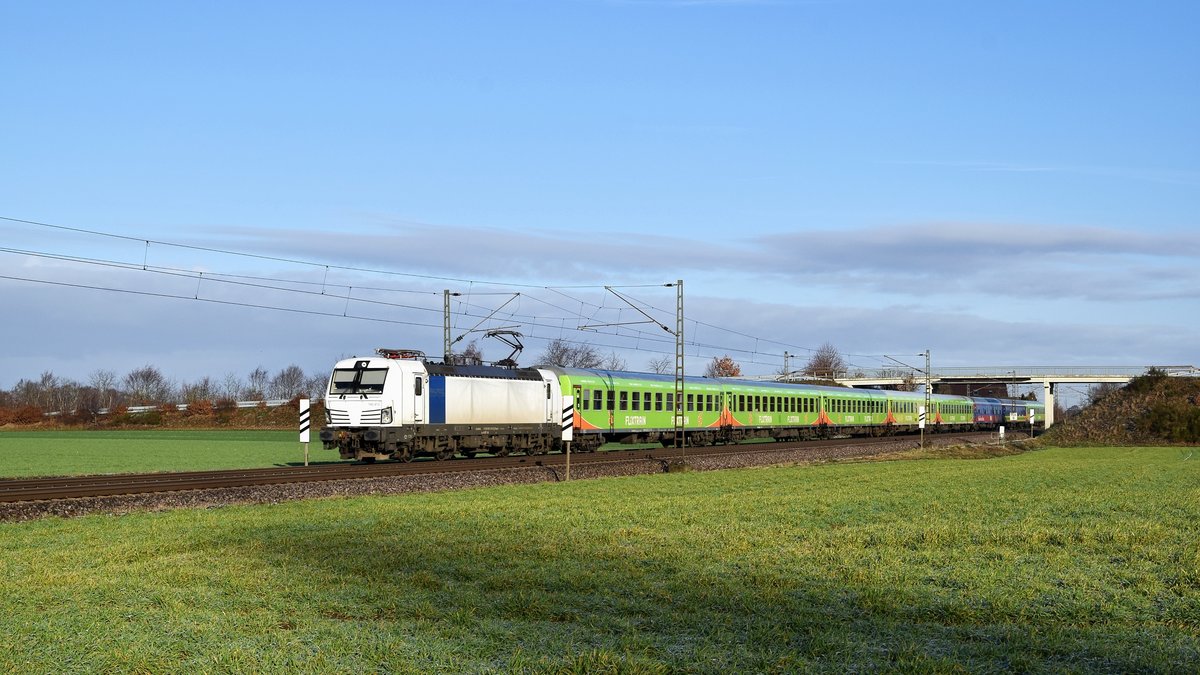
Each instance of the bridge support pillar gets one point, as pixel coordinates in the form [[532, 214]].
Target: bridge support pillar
[[1048, 398]]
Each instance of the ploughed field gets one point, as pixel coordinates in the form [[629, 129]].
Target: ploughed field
[[1053, 560]]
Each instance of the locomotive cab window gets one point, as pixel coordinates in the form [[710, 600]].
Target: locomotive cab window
[[358, 381]]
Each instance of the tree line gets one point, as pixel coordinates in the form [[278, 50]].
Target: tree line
[[824, 363], [147, 385]]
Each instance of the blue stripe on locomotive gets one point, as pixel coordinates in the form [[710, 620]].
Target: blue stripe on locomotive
[[437, 399]]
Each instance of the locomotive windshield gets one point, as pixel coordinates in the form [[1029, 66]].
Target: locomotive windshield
[[357, 381]]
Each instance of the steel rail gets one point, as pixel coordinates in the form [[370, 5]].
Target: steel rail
[[66, 487]]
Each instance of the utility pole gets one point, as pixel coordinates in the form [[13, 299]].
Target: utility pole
[[446, 356], [925, 411], [679, 410], [928, 397]]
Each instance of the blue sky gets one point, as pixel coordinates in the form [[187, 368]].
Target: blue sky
[[1008, 183]]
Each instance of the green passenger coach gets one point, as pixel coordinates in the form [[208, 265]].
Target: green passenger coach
[[622, 407]]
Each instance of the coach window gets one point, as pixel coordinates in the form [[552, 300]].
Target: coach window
[[637, 400], [671, 401], [646, 398], [623, 398], [658, 401], [691, 402], [612, 399]]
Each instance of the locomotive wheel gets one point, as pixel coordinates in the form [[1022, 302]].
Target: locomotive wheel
[[443, 455]]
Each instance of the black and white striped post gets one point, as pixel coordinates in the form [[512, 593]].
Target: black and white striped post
[[568, 428], [304, 427]]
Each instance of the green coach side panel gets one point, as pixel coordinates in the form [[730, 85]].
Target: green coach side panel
[[613, 401]]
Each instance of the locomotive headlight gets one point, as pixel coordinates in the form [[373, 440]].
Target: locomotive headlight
[[328, 417], [385, 416]]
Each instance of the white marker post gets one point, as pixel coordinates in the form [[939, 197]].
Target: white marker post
[[568, 428], [921, 424], [304, 426]]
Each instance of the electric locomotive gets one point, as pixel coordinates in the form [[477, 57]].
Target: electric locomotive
[[399, 405]]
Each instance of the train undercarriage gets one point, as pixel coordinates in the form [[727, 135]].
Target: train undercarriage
[[441, 441], [444, 442]]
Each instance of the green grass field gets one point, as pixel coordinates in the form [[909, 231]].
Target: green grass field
[[1049, 561], [61, 453]]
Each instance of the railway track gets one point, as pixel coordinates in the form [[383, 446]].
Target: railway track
[[40, 489]]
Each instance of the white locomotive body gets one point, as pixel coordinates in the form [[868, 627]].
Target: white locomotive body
[[397, 405]]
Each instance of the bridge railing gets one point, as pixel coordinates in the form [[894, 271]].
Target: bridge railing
[[1010, 373]]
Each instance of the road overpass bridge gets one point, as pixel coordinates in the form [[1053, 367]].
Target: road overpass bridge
[[1048, 376]]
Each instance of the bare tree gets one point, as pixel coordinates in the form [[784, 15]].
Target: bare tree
[[1097, 392], [201, 390], [287, 383], [723, 366], [662, 365], [560, 353], [614, 362], [825, 363], [257, 382], [147, 386], [105, 384], [471, 355], [231, 387], [315, 385]]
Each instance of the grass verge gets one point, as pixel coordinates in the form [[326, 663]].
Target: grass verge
[[1049, 561], [60, 453]]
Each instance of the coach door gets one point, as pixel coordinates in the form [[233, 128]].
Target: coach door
[[418, 398]]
